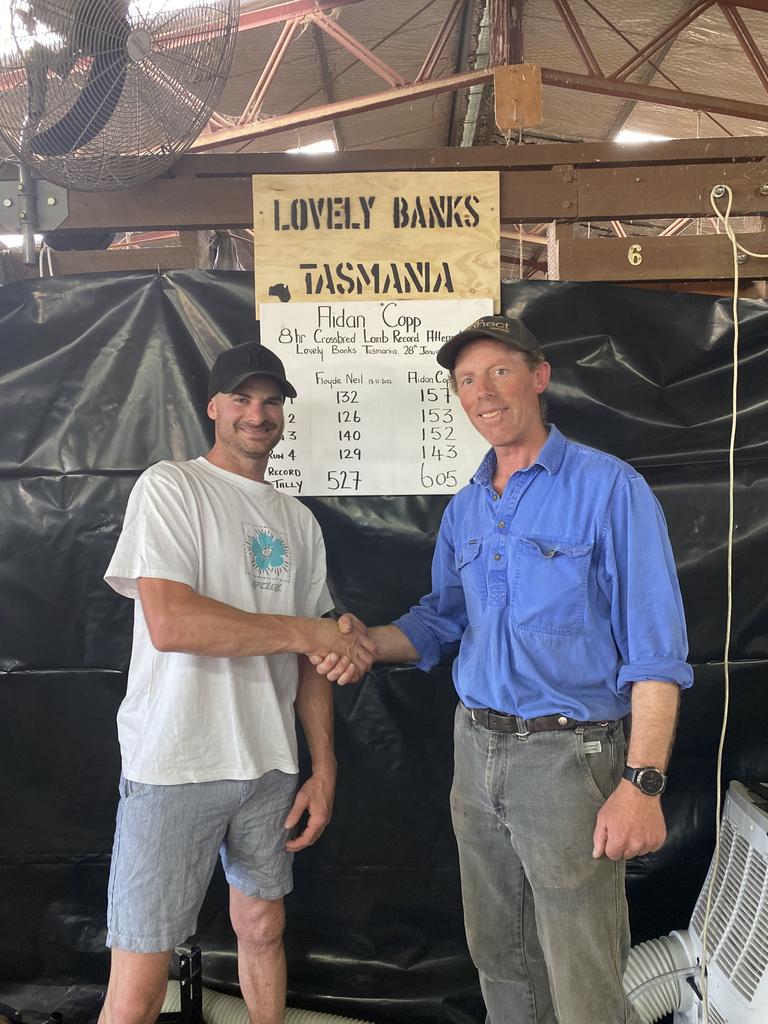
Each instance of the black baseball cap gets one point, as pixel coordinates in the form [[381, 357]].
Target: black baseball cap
[[236, 364], [501, 328]]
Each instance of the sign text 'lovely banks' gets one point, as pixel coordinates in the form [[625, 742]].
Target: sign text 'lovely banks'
[[361, 237]]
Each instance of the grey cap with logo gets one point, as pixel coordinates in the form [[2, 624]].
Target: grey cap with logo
[[499, 328]]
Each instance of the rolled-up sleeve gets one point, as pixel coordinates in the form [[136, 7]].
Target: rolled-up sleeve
[[637, 573], [436, 624]]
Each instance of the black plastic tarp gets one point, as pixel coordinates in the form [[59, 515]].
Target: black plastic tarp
[[100, 376]]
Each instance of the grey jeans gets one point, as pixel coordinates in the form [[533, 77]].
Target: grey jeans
[[546, 924]]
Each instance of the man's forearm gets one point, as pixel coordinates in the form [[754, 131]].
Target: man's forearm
[[314, 708], [180, 619], [655, 707], [392, 644], [631, 823]]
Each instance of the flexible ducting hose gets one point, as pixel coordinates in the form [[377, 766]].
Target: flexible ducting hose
[[219, 1008], [653, 981], [654, 976]]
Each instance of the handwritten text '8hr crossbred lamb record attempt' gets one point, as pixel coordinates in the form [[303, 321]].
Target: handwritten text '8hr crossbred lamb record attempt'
[[375, 412]]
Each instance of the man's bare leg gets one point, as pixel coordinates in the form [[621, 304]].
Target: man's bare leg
[[259, 926], [137, 987]]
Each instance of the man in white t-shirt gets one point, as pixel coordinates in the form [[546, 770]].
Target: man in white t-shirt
[[227, 575]]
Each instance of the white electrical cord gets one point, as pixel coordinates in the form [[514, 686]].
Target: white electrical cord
[[688, 971], [45, 250], [724, 219]]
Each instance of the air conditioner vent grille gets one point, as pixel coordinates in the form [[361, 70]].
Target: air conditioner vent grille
[[715, 1017], [737, 936]]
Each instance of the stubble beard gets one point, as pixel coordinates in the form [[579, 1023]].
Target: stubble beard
[[256, 449]]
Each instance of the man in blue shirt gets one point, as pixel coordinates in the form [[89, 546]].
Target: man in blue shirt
[[554, 580]]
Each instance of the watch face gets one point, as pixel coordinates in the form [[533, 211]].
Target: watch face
[[650, 781]]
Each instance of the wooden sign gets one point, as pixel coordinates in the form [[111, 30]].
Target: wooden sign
[[517, 97], [388, 235]]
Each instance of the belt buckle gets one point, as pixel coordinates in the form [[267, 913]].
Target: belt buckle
[[522, 732]]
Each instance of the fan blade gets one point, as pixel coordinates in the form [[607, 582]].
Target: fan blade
[[90, 112]]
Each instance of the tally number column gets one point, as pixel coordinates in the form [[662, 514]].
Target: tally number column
[[439, 452], [350, 423]]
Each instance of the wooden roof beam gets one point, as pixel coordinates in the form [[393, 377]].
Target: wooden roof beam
[[358, 49], [669, 33], [287, 12], [530, 194], [750, 148], [408, 93], [755, 5], [578, 37], [517, 44], [747, 43], [343, 108], [253, 107], [512, 234], [651, 68], [684, 258], [441, 40], [652, 94]]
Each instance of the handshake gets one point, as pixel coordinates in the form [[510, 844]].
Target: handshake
[[343, 651]]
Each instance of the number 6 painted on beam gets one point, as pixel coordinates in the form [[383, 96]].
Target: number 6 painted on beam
[[635, 255]]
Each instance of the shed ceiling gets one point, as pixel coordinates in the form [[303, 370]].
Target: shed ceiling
[[707, 55], [704, 57]]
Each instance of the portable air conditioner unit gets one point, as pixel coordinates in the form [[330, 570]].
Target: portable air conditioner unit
[[664, 975], [737, 934]]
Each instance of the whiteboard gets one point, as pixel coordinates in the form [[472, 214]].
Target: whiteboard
[[375, 413]]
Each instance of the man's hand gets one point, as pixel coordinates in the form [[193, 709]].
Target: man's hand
[[629, 824], [316, 798], [333, 665], [344, 651]]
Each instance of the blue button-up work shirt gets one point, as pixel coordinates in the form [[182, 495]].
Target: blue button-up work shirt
[[558, 594]]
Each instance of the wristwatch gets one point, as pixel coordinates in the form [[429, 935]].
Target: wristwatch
[[651, 781]]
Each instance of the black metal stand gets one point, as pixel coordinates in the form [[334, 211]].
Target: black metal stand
[[191, 991]]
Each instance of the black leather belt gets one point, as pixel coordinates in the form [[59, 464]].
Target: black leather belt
[[499, 721]]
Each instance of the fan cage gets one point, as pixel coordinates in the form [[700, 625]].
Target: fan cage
[[105, 94]]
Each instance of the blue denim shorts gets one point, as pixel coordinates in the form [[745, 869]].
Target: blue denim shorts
[[167, 839]]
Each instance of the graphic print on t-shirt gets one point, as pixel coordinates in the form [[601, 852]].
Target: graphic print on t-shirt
[[267, 556]]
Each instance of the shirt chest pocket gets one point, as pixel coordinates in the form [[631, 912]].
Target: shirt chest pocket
[[469, 565], [550, 589]]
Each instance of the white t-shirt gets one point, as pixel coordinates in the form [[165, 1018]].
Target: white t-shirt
[[187, 718]]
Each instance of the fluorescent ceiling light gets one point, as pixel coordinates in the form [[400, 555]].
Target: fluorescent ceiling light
[[626, 135], [14, 241], [323, 146]]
